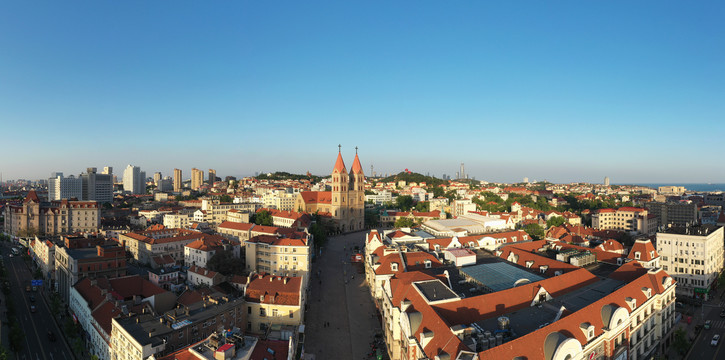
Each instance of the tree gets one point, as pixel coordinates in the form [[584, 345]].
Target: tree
[[319, 234], [555, 221], [422, 206], [535, 231], [16, 337], [225, 263], [681, 344], [372, 219], [437, 191], [263, 217], [4, 353], [404, 202], [225, 199], [404, 222]]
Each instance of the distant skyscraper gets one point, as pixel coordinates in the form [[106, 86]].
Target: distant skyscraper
[[212, 176], [606, 181], [197, 178], [177, 180], [98, 187], [462, 174], [157, 178], [134, 180], [60, 187], [526, 180]]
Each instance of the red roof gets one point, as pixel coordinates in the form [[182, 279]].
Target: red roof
[[236, 226], [339, 165], [314, 197], [129, 286], [31, 197], [279, 290], [261, 350], [356, 167], [646, 250]]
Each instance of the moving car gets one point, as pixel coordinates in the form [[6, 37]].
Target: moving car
[[708, 324], [715, 340], [32, 298], [51, 336], [722, 313], [27, 288], [32, 308]]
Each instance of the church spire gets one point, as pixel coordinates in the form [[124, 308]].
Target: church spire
[[339, 164], [356, 167]]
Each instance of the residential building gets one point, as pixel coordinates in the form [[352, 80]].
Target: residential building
[[95, 302], [694, 257], [43, 253], [380, 198], [165, 185], [236, 230], [157, 178], [60, 187], [680, 213], [140, 336], [274, 300], [177, 220], [238, 216], [72, 264], [671, 190], [212, 176], [145, 245], [624, 219], [34, 217], [200, 251], [197, 179], [461, 207], [134, 180], [287, 256], [199, 276], [345, 203], [215, 212], [177, 180], [98, 187]]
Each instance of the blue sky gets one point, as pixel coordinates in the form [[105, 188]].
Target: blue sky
[[556, 90]]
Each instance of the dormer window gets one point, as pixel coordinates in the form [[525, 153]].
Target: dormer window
[[652, 253], [394, 266], [647, 292], [428, 264], [543, 268], [631, 302], [529, 263], [438, 248], [637, 255]]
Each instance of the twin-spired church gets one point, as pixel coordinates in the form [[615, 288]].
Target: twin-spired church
[[345, 204]]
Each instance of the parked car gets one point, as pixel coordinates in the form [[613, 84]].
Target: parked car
[[715, 340]]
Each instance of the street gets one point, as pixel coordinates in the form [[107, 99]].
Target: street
[[701, 348], [35, 326], [342, 319]]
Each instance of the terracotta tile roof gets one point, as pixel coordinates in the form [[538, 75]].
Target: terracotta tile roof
[[236, 226], [92, 294], [611, 245], [399, 234], [128, 286], [261, 352], [316, 197], [629, 271], [531, 345], [442, 242], [207, 243], [646, 250], [416, 260], [373, 235], [104, 315], [163, 260], [31, 197], [202, 271], [520, 254], [278, 241], [279, 290]]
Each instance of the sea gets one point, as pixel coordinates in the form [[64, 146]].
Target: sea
[[701, 187]]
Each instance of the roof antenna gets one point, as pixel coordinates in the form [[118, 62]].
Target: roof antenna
[[339, 148]]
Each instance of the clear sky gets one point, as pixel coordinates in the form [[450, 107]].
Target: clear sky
[[556, 90]]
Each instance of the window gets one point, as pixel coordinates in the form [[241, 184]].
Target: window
[[291, 314], [261, 312]]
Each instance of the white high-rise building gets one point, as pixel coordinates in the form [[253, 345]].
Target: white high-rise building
[[60, 187], [693, 255], [606, 181], [134, 180]]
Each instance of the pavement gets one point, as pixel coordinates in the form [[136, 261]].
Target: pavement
[[338, 296], [702, 348], [35, 326]]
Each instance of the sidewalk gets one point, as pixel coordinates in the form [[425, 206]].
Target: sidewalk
[[691, 329]]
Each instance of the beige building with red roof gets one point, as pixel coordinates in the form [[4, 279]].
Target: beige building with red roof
[[624, 219], [201, 250], [35, 217], [345, 204], [273, 300], [145, 245], [279, 255]]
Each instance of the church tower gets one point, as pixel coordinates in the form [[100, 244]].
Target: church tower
[[340, 185], [357, 194]]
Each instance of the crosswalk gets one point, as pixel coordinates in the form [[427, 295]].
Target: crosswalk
[[722, 303], [718, 324]]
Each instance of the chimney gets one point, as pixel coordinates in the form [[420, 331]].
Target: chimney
[[286, 279], [271, 278]]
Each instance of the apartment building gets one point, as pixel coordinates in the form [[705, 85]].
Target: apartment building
[[34, 217], [145, 245], [43, 253], [273, 300], [215, 212], [140, 336], [97, 186], [178, 181], [134, 180], [694, 257], [72, 264], [200, 251], [60, 187], [279, 255], [673, 213], [624, 219], [197, 179]]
